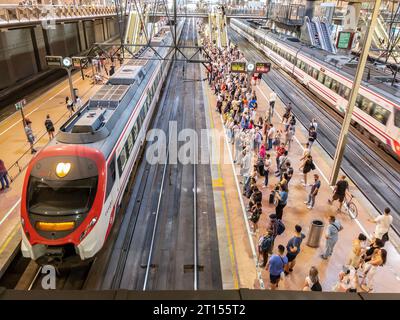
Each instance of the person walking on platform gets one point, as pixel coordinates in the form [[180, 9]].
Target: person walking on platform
[[313, 124], [306, 152], [272, 99], [312, 136], [276, 265], [293, 248], [287, 114], [3, 176], [313, 192], [70, 106], [30, 137], [331, 236], [49, 127], [383, 223], [339, 193]]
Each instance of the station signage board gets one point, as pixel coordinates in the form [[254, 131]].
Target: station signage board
[[78, 62], [238, 66], [54, 61], [344, 40], [263, 67]]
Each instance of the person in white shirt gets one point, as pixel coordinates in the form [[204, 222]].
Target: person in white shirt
[[383, 223], [270, 136], [314, 124], [272, 99]]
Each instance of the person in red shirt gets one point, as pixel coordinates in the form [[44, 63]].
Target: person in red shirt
[[3, 176], [280, 150]]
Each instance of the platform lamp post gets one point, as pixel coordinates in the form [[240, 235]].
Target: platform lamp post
[[337, 161]]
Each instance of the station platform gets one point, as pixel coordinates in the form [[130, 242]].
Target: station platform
[[238, 248], [16, 151]]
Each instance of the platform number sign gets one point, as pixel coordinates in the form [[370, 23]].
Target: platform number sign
[[78, 62], [263, 67], [54, 61], [238, 66]]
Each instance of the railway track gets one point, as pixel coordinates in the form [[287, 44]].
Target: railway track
[[155, 242], [377, 178], [163, 242]]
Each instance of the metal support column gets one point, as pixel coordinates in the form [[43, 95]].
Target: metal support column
[[353, 96]]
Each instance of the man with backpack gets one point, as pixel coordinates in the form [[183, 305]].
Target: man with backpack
[[265, 245]]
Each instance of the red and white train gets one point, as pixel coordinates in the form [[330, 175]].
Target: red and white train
[[74, 186], [377, 109]]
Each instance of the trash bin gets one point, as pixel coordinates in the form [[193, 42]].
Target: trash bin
[[314, 236]]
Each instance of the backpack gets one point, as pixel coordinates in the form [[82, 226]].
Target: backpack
[[266, 243], [280, 227], [316, 287]]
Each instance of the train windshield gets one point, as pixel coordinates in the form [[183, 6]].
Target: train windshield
[[61, 197]]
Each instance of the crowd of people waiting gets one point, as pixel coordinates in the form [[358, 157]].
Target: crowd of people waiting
[[262, 150]]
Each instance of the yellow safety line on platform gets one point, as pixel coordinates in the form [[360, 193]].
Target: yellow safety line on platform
[[10, 236], [219, 182]]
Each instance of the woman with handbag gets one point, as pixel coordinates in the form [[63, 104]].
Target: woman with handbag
[[369, 268]]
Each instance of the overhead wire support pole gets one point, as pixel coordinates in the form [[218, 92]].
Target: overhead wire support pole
[[341, 146]]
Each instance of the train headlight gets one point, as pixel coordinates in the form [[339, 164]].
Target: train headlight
[[62, 169], [55, 226]]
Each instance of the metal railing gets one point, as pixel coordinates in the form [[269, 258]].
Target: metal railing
[[16, 13]]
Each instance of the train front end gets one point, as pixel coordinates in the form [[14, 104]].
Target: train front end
[[61, 205]]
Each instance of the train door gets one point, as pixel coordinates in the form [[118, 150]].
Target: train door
[[111, 190], [394, 130]]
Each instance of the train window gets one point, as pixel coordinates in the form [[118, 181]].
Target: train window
[[397, 118], [141, 116], [335, 86], [379, 113], [110, 176], [298, 63], [344, 91], [302, 65], [315, 73], [364, 104], [130, 143], [122, 159], [321, 77], [328, 81], [134, 131], [146, 104]]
